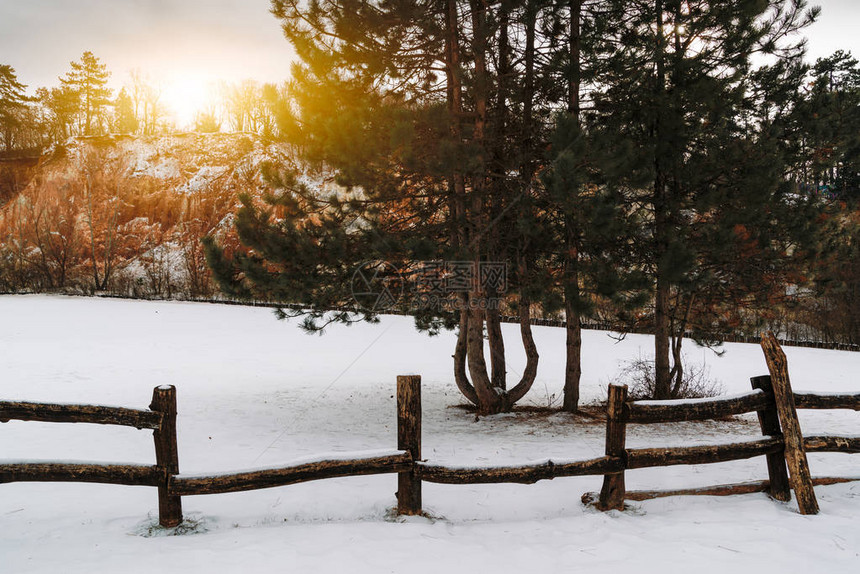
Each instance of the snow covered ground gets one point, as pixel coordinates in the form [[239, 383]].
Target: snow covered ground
[[253, 391]]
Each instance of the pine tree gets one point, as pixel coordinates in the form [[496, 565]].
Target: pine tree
[[88, 81], [12, 99], [677, 91], [585, 187], [207, 122], [63, 107], [579, 180], [830, 122], [125, 121]]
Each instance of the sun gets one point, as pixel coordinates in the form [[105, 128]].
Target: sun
[[188, 95]]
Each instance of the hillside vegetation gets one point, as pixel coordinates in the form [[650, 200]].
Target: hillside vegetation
[[125, 214]]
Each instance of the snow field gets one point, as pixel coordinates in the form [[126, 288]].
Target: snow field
[[253, 391]]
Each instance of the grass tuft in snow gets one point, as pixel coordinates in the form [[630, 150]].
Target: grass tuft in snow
[[423, 518], [150, 528]]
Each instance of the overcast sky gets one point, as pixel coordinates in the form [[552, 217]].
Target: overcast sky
[[227, 39]]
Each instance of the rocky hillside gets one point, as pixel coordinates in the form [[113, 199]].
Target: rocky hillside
[[125, 214], [188, 163]]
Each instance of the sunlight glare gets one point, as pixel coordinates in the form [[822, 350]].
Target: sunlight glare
[[188, 95]]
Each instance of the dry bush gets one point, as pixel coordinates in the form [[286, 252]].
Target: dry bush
[[696, 383]]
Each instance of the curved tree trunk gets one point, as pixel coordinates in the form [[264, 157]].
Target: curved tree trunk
[[497, 349], [677, 373], [460, 376], [473, 208], [458, 192], [532, 357], [489, 400]]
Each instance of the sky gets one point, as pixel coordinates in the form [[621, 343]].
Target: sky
[[198, 41], [167, 39]]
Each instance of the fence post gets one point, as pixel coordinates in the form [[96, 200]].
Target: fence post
[[612, 493], [795, 455], [409, 439], [769, 421], [166, 454]]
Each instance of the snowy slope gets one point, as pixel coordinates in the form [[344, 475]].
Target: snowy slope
[[253, 391], [185, 162]]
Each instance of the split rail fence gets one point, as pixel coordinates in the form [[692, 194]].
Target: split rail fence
[[782, 444]]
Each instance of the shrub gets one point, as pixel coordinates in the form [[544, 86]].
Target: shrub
[[696, 382]]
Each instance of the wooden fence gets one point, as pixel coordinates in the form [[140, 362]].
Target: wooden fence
[[782, 444], [161, 419]]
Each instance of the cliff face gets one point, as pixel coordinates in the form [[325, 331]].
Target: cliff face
[[125, 213]]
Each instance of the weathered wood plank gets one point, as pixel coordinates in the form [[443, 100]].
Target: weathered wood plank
[[612, 492], [726, 489], [409, 439], [706, 454], [96, 414], [166, 454], [828, 443], [695, 409], [186, 485], [717, 490], [524, 474], [795, 456], [768, 419], [108, 473], [833, 401]]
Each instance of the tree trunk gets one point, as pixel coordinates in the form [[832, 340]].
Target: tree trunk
[[573, 363], [662, 380], [497, 346], [460, 351], [575, 78], [458, 192], [677, 373], [490, 400], [532, 357], [662, 384], [573, 343]]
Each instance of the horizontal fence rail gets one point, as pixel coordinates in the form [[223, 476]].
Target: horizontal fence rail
[[696, 409], [705, 454], [105, 473], [525, 474], [60, 413], [829, 443], [807, 400], [358, 464], [724, 489]]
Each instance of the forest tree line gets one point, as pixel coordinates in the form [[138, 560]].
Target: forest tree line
[[84, 104]]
